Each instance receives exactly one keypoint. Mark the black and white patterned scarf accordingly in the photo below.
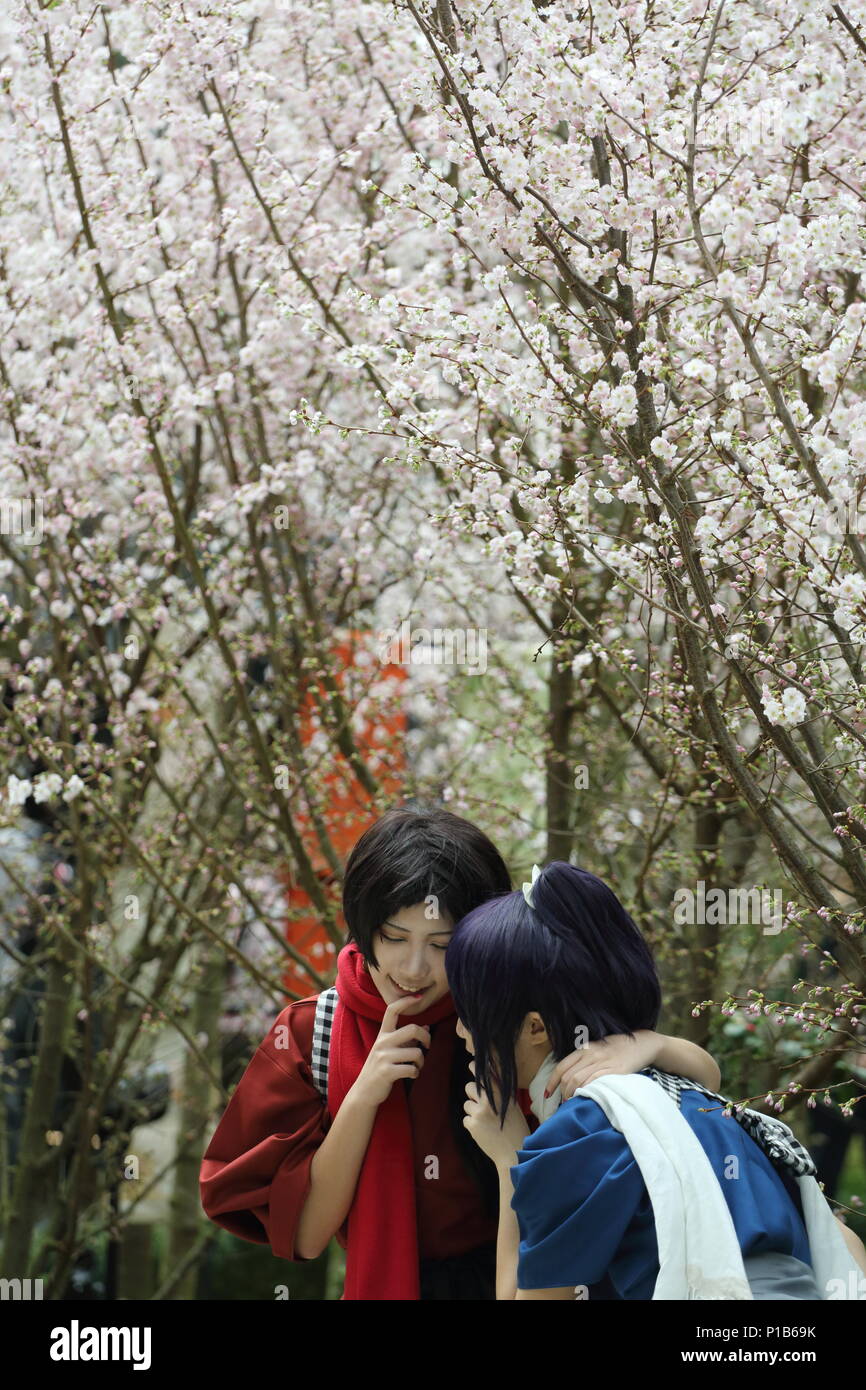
(774, 1137)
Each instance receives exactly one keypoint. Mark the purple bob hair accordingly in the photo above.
(576, 957)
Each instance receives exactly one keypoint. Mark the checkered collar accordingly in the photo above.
(774, 1137)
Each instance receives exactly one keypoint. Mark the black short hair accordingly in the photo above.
(413, 852)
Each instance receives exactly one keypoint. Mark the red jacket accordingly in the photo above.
(255, 1174)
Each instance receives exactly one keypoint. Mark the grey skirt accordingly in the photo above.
(774, 1276)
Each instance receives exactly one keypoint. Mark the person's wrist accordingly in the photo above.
(504, 1164)
(359, 1099)
(507, 1155)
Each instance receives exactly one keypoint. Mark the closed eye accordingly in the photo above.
(397, 940)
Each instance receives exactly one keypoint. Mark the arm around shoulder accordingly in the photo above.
(684, 1058)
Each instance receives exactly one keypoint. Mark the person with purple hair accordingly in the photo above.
(637, 1187)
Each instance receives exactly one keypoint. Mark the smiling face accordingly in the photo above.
(410, 948)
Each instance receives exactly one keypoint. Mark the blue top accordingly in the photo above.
(584, 1212)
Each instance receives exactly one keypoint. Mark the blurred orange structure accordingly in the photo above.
(380, 738)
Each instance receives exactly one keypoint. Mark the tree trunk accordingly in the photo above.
(186, 1218)
(30, 1170)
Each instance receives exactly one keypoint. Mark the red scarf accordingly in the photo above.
(382, 1246)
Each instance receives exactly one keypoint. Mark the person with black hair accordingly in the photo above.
(348, 1120)
(638, 1186)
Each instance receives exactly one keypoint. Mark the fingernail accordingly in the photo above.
(546, 1094)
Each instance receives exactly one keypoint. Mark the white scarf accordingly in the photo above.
(699, 1253)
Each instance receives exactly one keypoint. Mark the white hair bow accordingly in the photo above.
(528, 887)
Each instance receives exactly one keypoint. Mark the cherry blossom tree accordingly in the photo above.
(655, 331)
(169, 609)
(524, 323)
